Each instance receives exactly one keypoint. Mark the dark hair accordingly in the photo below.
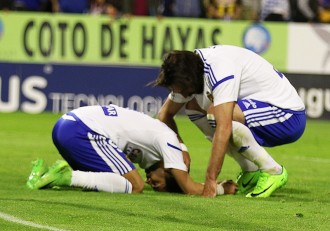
(171, 184)
(153, 167)
(181, 68)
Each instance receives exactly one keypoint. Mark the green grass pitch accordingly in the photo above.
(304, 204)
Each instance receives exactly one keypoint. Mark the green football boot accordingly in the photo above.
(267, 184)
(59, 174)
(247, 181)
(39, 168)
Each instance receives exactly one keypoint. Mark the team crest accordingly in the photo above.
(210, 96)
(133, 153)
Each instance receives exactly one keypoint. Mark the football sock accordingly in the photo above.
(245, 143)
(244, 163)
(200, 120)
(101, 181)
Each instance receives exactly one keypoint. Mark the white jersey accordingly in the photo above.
(143, 139)
(233, 73)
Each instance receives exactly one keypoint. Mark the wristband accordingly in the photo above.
(220, 189)
(183, 147)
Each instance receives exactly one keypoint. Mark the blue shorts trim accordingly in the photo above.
(87, 150)
(270, 125)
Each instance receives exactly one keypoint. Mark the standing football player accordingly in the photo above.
(254, 105)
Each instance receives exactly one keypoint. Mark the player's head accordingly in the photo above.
(156, 177)
(182, 72)
(161, 180)
(171, 184)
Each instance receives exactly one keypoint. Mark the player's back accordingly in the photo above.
(256, 77)
(122, 125)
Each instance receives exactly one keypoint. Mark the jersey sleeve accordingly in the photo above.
(170, 149)
(223, 78)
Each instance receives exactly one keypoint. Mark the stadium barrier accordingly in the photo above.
(65, 61)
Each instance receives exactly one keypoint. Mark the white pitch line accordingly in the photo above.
(312, 159)
(10, 218)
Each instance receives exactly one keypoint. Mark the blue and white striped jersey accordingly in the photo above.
(143, 139)
(233, 73)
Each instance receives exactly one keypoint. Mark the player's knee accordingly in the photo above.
(238, 132)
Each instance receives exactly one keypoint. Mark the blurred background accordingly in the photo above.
(57, 55)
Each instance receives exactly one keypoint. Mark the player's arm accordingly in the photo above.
(223, 114)
(166, 115)
(167, 112)
(136, 180)
(186, 183)
(190, 187)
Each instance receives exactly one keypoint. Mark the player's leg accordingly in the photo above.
(245, 144)
(205, 120)
(103, 181)
(199, 117)
(272, 175)
(61, 174)
(249, 175)
(114, 160)
(97, 163)
(270, 126)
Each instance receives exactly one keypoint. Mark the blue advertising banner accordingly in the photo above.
(58, 88)
(34, 88)
(315, 92)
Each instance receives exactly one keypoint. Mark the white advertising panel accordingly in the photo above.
(309, 48)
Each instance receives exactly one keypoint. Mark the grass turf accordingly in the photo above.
(304, 204)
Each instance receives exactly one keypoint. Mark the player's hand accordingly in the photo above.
(229, 187)
(210, 188)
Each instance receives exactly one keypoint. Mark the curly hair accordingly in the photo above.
(183, 69)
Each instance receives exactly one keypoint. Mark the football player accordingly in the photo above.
(100, 145)
(254, 105)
